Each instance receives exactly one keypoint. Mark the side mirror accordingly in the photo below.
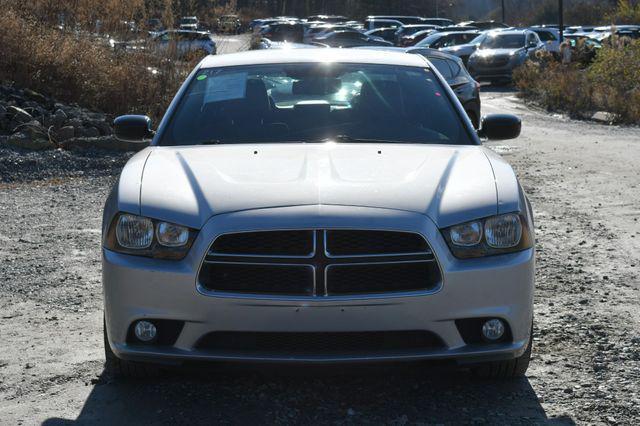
(133, 128)
(499, 127)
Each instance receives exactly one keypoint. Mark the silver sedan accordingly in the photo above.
(317, 206)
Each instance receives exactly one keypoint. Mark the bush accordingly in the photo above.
(81, 68)
(611, 83)
(615, 74)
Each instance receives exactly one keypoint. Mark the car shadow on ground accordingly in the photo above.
(380, 394)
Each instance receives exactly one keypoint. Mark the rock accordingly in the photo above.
(18, 115)
(75, 122)
(101, 142)
(64, 133)
(88, 132)
(58, 118)
(103, 127)
(22, 140)
(603, 117)
(35, 96)
(34, 130)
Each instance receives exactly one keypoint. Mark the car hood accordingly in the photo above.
(188, 185)
(460, 48)
(494, 52)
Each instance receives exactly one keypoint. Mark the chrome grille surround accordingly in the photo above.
(421, 274)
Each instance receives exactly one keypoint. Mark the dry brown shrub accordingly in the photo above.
(74, 66)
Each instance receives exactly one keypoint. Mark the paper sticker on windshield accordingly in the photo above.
(224, 87)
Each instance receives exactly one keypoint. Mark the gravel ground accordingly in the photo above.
(583, 182)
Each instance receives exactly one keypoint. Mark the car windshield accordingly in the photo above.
(503, 41)
(478, 39)
(430, 40)
(315, 102)
(187, 21)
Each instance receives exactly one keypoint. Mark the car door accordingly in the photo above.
(532, 43)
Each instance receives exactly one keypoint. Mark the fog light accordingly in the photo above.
(493, 329)
(145, 331)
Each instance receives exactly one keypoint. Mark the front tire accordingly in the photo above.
(508, 369)
(121, 368)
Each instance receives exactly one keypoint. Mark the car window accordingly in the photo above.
(449, 40)
(466, 38)
(503, 41)
(455, 68)
(429, 40)
(546, 36)
(309, 102)
(441, 65)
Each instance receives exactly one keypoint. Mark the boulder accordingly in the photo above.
(103, 127)
(75, 122)
(23, 140)
(58, 118)
(103, 142)
(34, 130)
(18, 115)
(64, 133)
(88, 132)
(35, 96)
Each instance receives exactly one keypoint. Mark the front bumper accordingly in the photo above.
(137, 288)
(484, 72)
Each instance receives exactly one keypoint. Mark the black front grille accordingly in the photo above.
(269, 279)
(271, 243)
(379, 277)
(499, 61)
(360, 243)
(319, 263)
(369, 342)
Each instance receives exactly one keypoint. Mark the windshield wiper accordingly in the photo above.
(350, 139)
(211, 142)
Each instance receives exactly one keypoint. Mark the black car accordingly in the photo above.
(349, 39)
(466, 89)
(483, 25)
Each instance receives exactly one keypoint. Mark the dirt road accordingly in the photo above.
(583, 182)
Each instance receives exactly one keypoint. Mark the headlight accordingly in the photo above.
(467, 234)
(500, 234)
(142, 236)
(171, 235)
(503, 231)
(134, 232)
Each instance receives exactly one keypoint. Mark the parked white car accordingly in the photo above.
(183, 42)
(319, 205)
(550, 37)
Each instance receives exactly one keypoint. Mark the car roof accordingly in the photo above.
(364, 56)
(456, 32)
(513, 31)
(428, 51)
